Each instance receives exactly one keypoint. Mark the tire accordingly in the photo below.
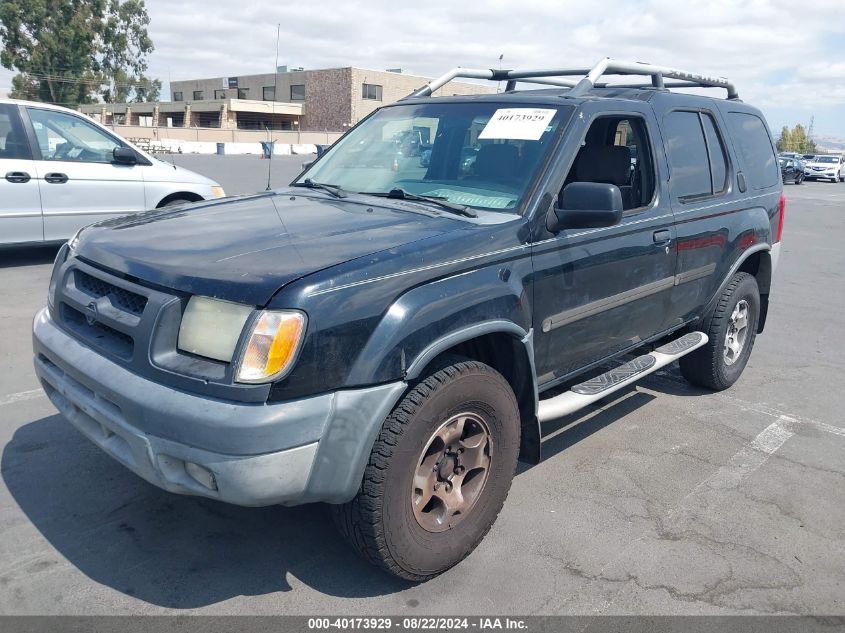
(175, 202)
(710, 365)
(382, 522)
(799, 179)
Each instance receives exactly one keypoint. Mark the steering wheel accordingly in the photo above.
(62, 151)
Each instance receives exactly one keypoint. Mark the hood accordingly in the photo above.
(245, 249)
(167, 172)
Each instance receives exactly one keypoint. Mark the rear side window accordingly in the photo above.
(756, 149)
(687, 151)
(13, 141)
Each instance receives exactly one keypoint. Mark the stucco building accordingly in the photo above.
(330, 99)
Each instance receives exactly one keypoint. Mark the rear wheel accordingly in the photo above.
(733, 328)
(438, 473)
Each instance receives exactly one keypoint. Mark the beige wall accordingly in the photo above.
(222, 136)
(395, 86)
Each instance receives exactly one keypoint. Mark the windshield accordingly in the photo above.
(482, 155)
(826, 159)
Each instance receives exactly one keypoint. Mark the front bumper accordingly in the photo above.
(317, 447)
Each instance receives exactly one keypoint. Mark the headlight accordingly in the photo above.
(67, 251)
(211, 327)
(61, 258)
(218, 192)
(272, 346)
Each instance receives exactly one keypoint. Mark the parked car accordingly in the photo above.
(828, 167)
(59, 171)
(791, 169)
(391, 341)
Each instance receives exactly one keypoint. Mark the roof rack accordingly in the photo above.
(589, 78)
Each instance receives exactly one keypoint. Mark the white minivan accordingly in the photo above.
(60, 171)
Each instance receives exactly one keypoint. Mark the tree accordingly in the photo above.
(71, 51)
(784, 143)
(147, 89)
(125, 43)
(795, 140)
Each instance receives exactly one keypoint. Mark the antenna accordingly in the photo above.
(499, 83)
(273, 107)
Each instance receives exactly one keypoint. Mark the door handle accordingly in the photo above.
(17, 176)
(56, 178)
(661, 237)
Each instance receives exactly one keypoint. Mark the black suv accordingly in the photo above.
(384, 335)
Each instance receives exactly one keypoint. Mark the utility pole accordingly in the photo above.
(810, 134)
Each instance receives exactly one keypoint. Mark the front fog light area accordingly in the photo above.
(211, 327)
(201, 475)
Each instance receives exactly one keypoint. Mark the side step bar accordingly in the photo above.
(590, 391)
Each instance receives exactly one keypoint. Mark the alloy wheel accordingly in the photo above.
(737, 332)
(451, 472)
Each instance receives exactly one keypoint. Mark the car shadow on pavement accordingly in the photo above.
(34, 255)
(170, 550)
(185, 552)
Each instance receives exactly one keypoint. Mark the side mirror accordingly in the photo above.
(124, 156)
(586, 205)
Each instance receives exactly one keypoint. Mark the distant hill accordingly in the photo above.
(829, 143)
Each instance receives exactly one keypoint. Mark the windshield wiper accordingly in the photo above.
(336, 191)
(398, 193)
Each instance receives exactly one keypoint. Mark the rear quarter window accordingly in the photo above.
(755, 146)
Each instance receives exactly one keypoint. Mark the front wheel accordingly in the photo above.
(438, 473)
(733, 328)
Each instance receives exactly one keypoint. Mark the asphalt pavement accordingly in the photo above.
(666, 499)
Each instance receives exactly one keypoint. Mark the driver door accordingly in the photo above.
(79, 182)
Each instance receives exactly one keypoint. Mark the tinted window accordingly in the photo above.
(297, 92)
(756, 149)
(688, 163)
(199, 95)
(13, 143)
(718, 162)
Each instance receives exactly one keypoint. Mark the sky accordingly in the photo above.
(785, 57)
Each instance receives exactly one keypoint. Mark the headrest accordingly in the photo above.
(604, 163)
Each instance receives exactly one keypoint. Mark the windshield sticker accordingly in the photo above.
(523, 124)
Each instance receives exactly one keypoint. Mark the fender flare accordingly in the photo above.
(711, 303)
(462, 335)
(530, 424)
